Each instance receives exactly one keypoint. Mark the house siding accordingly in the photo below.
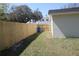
(65, 25)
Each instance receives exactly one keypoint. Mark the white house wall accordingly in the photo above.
(66, 25)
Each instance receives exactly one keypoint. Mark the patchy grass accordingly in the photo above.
(44, 45)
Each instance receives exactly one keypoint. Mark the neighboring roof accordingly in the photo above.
(75, 9)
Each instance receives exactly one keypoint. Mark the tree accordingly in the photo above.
(71, 5)
(24, 14)
(3, 11)
(21, 14)
(37, 15)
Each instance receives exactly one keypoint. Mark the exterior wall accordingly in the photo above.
(66, 25)
(13, 32)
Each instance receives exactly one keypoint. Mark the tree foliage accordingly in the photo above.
(21, 14)
(71, 5)
(24, 14)
(37, 15)
(3, 11)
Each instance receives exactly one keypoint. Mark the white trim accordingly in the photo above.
(76, 12)
(51, 19)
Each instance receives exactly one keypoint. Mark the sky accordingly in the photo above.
(43, 7)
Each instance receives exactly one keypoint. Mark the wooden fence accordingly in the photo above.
(45, 27)
(13, 32)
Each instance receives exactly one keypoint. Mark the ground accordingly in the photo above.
(45, 45)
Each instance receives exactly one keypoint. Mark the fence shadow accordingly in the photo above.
(19, 47)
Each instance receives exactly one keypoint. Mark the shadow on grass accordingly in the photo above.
(19, 47)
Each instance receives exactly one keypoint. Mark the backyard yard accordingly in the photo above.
(25, 31)
(45, 45)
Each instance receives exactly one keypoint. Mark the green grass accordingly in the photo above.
(44, 45)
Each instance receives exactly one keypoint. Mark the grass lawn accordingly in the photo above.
(45, 45)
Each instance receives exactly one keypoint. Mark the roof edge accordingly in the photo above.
(75, 9)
